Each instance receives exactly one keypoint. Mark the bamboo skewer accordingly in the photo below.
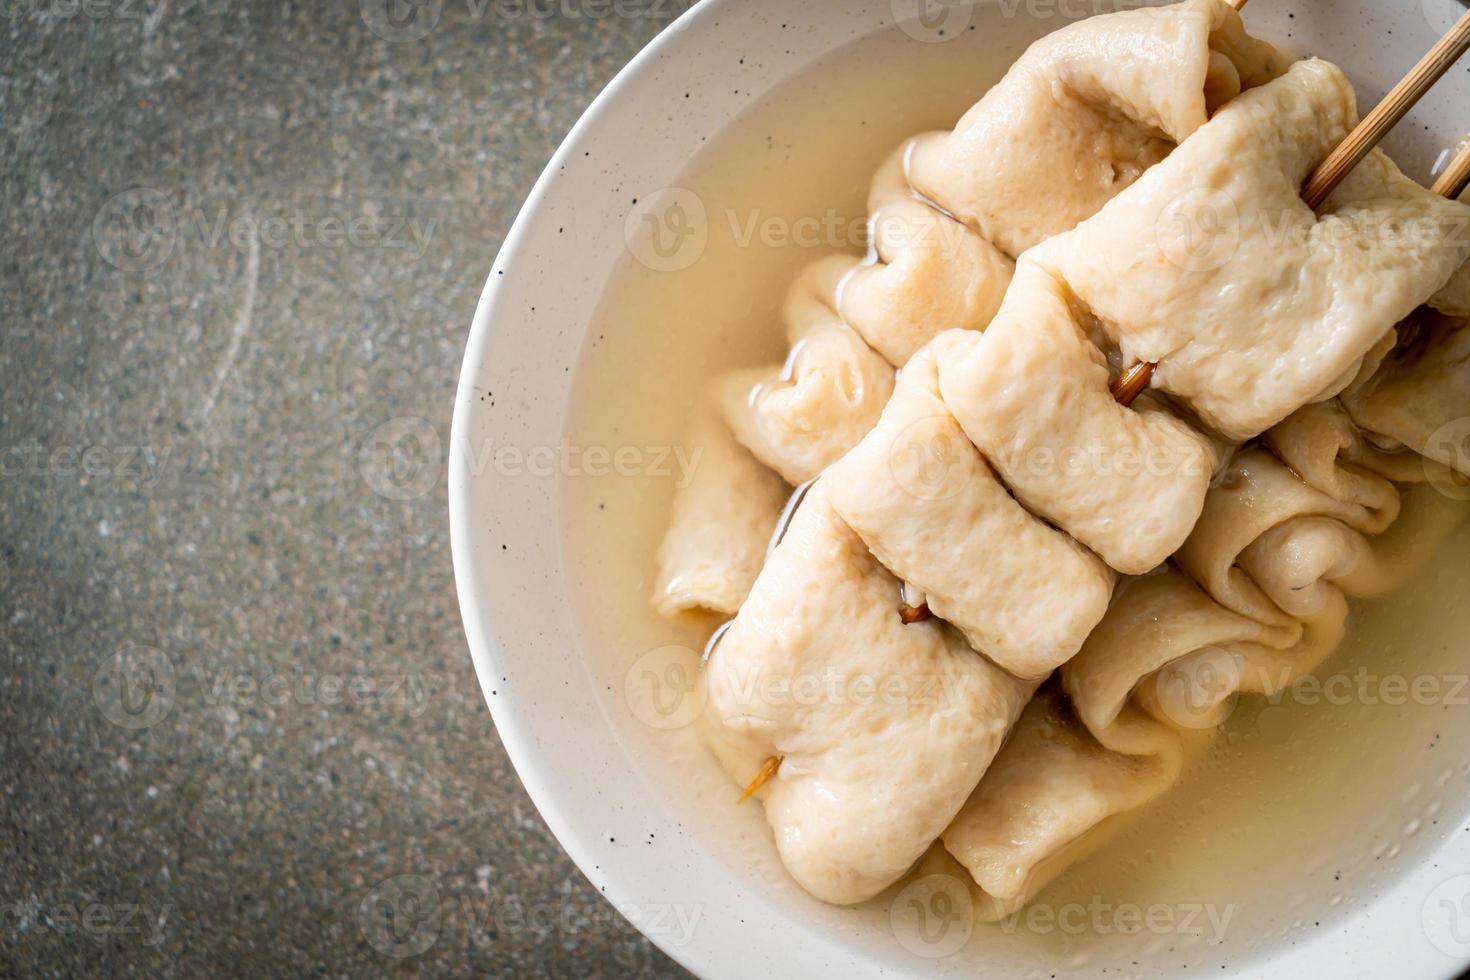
(1386, 114)
(908, 614)
(767, 770)
(912, 606)
(1350, 152)
(1456, 176)
(1131, 382)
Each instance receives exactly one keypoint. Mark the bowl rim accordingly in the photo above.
(1362, 940)
(480, 632)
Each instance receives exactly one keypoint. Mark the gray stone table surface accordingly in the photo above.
(236, 240)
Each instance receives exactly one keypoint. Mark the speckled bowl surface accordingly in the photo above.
(602, 792)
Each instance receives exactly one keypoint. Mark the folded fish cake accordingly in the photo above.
(1420, 397)
(1328, 453)
(883, 728)
(1213, 267)
(1037, 809)
(1032, 394)
(1256, 493)
(918, 492)
(720, 525)
(931, 273)
(1154, 680)
(799, 418)
(1085, 111)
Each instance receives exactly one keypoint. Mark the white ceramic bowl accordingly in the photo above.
(618, 803)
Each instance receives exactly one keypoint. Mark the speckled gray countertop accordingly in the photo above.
(236, 705)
